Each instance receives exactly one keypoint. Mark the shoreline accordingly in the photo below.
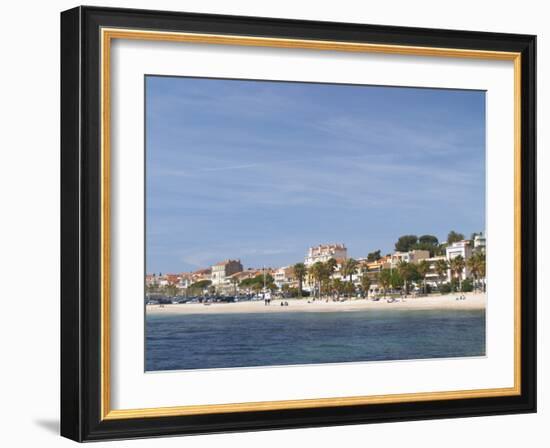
(473, 301)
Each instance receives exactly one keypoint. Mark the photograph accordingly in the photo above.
(302, 223)
(284, 221)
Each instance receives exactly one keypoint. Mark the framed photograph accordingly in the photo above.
(272, 223)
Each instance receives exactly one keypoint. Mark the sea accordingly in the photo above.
(212, 341)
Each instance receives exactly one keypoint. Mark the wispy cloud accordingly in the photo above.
(233, 167)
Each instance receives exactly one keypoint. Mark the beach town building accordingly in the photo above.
(480, 242)
(222, 270)
(324, 252)
(359, 271)
(373, 268)
(184, 280)
(162, 281)
(284, 276)
(462, 248)
(432, 276)
(413, 256)
(171, 279)
(200, 275)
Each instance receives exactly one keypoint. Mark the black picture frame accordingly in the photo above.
(81, 224)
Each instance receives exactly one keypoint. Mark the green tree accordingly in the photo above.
(300, 272)
(326, 283)
(318, 272)
(365, 284)
(407, 272)
(429, 243)
(374, 256)
(423, 267)
(439, 250)
(385, 279)
(330, 266)
(476, 265)
(349, 288)
(200, 284)
(454, 237)
(482, 268)
(257, 283)
(457, 265)
(441, 268)
(170, 290)
(235, 282)
(467, 285)
(338, 287)
(429, 240)
(349, 267)
(405, 243)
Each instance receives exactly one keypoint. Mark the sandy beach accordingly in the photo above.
(473, 301)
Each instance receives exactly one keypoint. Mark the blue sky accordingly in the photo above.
(262, 170)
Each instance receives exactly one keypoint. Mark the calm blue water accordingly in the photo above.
(245, 340)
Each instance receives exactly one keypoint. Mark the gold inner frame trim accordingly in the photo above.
(107, 35)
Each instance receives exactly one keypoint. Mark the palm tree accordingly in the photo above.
(170, 290)
(300, 272)
(349, 267)
(405, 270)
(365, 284)
(338, 287)
(423, 268)
(317, 271)
(476, 265)
(235, 283)
(151, 288)
(385, 279)
(457, 266)
(441, 267)
(330, 267)
(482, 268)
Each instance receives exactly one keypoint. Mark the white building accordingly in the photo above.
(184, 280)
(432, 277)
(284, 276)
(325, 252)
(480, 242)
(462, 248)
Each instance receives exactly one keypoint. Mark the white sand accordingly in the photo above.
(473, 301)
